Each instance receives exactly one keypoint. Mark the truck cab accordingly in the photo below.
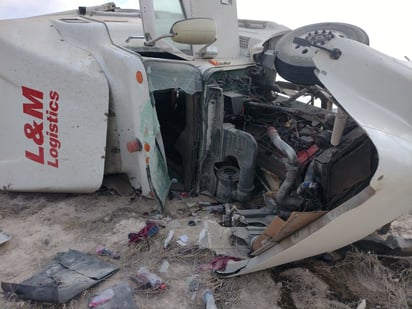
(116, 94)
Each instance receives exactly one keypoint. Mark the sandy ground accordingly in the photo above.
(42, 225)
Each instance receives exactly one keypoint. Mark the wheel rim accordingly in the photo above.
(294, 62)
(317, 37)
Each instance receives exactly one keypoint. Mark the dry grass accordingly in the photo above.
(366, 277)
(307, 290)
(382, 282)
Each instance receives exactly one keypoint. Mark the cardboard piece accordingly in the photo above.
(271, 231)
(278, 229)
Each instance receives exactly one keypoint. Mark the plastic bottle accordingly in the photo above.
(149, 279)
(168, 238)
(209, 300)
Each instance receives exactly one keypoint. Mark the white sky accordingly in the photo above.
(387, 22)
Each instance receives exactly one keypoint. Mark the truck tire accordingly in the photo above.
(294, 63)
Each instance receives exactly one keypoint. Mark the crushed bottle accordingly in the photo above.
(146, 279)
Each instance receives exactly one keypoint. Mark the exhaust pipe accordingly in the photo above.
(338, 127)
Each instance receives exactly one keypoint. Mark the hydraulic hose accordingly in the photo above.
(282, 145)
(291, 167)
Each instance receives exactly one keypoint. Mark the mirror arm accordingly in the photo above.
(152, 42)
(203, 49)
(134, 37)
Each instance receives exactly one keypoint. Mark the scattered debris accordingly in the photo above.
(215, 209)
(102, 250)
(349, 280)
(168, 239)
(146, 279)
(209, 299)
(191, 204)
(219, 262)
(271, 231)
(120, 297)
(217, 238)
(164, 267)
(189, 250)
(4, 237)
(148, 231)
(232, 267)
(66, 276)
(279, 229)
(183, 239)
(184, 194)
(101, 298)
(362, 304)
(193, 284)
(388, 243)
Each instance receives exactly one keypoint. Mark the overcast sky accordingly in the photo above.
(387, 22)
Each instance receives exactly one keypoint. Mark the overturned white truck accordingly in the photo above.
(184, 90)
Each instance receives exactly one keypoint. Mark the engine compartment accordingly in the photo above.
(295, 163)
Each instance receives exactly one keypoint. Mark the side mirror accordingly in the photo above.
(190, 31)
(194, 31)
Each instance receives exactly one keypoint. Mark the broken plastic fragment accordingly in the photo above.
(164, 267)
(103, 297)
(183, 239)
(362, 304)
(4, 237)
(101, 250)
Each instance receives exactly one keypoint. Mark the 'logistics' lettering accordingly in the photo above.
(43, 125)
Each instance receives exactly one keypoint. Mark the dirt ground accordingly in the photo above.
(42, 225)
